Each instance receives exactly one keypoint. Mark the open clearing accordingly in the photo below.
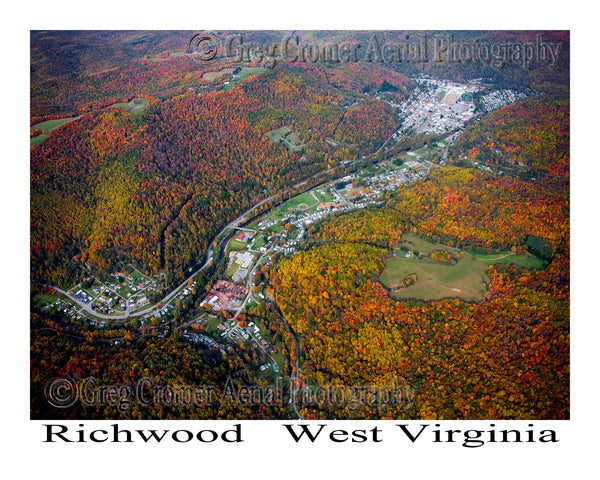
(50, 125)
(210, 76)
(38, 139)
(135, 106)
(415, 243)
(286, 137)
(466, 279)
(528, 261)
(246, 72)
(300, 203)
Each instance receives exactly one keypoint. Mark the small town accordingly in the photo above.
(499, 98)
(264, 247)
(439, 107)
(279, 232)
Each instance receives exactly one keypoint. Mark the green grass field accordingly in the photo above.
(138, 276)
(50, 125)
(38, 139)
(211, 323)
(134, 107)
(276, 214)
(427, 153)
(417, 244)
(300, 202)
(121, 105)
(296, 204)
(234, 245)
(42, 300)
(291, 140)
(528, 261)
(246, 72)
(124, 290)
(137, 105)
(258, 242)
(275, 135)
(466, 279)
(234, 267)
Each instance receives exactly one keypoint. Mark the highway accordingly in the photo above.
(171, 295)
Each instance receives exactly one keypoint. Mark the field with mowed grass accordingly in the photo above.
(38, 139)
(210, 76)
(246, 72)
(135, 106)
(50, 125)
(287, 137)
(301, 203)
(467, 279)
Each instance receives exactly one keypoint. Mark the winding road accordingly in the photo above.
(234, 224)
(169, 297)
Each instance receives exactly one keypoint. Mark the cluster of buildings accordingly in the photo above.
(237, 332)
(306, 219)
(244, 260)
(337, 196)
(163, 311)
(124, 293)
(499, 98)
(203, 340)
(72, 312)
(288, 247)
(248, 333)
(389, 180)
(329, 205)
(266, 223)
(225, 295)
(439, 107)
(245, 236)
(83, 297)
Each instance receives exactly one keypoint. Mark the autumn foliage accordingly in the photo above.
(534, 133)
(506, 357)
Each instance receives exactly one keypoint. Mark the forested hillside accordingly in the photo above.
(433, 259)
(534, 133)
(505, 357)
(155, 188)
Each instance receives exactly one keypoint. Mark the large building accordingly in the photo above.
(223, 295)
(244, 259)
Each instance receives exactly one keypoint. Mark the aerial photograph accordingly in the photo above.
(299, 225)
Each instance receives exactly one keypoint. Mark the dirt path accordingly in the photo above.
(494, 259)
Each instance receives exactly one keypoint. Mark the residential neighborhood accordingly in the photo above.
(499, 98)
(439, 107)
